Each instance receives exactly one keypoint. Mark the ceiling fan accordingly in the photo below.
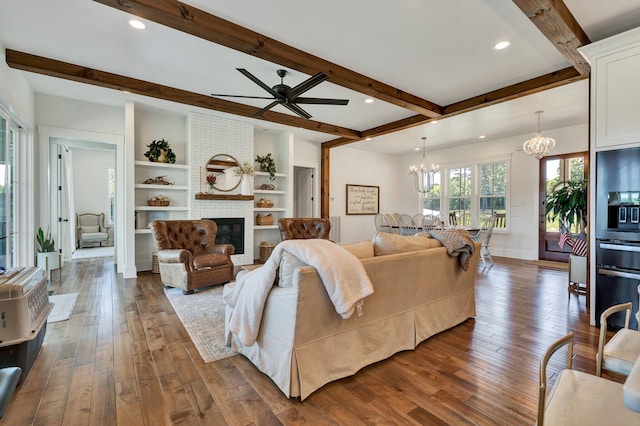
(289, 97)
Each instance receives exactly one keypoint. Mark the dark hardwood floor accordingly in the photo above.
(124, 358)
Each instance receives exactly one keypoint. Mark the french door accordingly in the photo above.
(556, 170)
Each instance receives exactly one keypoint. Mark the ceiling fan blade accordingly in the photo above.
(321, 101)
(296, 109)
(268, 107)
(306, 85)
(259, 83)
(241, 96)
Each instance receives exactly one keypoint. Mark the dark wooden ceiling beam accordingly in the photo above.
(188, 19)
(518, 90)
(65, 70)
(555, 21)
(515, 91)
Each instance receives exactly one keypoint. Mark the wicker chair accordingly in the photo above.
(188, 256)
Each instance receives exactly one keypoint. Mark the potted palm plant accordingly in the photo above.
(568, 203)
(47, 257)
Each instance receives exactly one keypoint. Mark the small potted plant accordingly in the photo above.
(160, 151)
(47, 257)
(267, 164)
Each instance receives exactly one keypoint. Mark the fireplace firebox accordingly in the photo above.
(230, 231)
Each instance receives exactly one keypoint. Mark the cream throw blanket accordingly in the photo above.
(342, 274)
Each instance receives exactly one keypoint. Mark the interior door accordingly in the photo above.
(554, 171)
(303, 192)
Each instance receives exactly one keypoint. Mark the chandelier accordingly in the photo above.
(538, 146)
(424, 176)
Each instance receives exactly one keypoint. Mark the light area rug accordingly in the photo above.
(63, 305)
(92, 252)
(202, 314)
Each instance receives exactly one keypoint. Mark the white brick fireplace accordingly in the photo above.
(209, 136)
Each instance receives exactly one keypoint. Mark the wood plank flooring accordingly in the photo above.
(124, 358)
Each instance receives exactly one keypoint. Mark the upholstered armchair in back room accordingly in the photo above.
(188, 256)
(91, 229)
(303, 228)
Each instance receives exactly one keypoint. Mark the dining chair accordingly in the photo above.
(430, 222)
(453, 219)
(579, 398)
(417, 219)
(393, 224)
(484, 237)
(620, 353)
(405, 222)
(382, 224)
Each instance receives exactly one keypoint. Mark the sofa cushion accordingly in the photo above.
(288, 265)
(386, 243)
(90, 229)
(209, 261)
(361, 249)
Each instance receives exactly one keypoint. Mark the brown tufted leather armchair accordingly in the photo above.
(303, 228)
(188, 255)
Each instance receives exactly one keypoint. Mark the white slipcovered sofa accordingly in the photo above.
(419, 290)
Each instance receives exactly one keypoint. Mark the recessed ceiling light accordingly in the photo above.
(368, 101)
(501, 45)
(481, 137)
(434, 122)
(416, 149)
(138, 25)
(367, 139)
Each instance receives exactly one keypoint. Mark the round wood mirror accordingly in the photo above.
(224, 168)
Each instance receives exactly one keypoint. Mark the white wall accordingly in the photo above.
(68, 114)
(16, 95)
(397, 194)
(355, 166)
(90, 180)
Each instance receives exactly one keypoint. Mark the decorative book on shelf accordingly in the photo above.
(237, 197)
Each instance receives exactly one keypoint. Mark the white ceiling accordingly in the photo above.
(440, 51)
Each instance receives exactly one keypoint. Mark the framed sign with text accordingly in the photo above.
(363, 199)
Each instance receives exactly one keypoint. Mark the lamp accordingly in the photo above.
(423, 177)
(538, 146)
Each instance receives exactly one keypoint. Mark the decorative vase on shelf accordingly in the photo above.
(162, 158)
(245, 186)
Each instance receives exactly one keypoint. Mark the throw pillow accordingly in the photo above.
(386, 243)
(361, 249)
(288, 265)
(90, 229)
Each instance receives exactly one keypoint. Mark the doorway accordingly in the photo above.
(85, 183)
(304, 190)
(555, 171)
(49, 138)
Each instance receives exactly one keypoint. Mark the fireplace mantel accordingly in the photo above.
(206, 196)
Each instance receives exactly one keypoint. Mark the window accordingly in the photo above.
(111, 194)
(460, 196)
(558, 170)
(431, 202)
(471, 194)
(493, 191)
(8, 204)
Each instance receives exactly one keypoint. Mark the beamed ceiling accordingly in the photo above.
(552, 18)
